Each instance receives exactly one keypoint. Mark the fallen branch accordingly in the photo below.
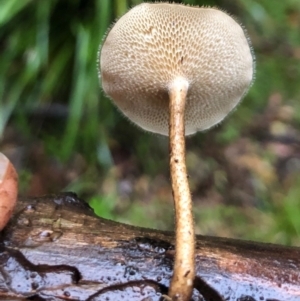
(55, 248)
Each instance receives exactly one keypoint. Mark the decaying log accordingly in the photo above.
(55, 248)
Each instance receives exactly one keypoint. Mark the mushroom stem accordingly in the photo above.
(184, 267)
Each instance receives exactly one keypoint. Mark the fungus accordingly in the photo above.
(8, 190)
(175, 70)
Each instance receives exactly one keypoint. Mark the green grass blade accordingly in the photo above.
(79, 89)
(9, 8)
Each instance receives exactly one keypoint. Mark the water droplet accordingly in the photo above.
(145, 246)
(67, 294)
(34, 285)
(136, 289)
(23, 221)
(42, 236)
(58, 201)
(159, 250)
(45, 233)
(56, 235)
(33, 275)
(30, 209)
(130, 270)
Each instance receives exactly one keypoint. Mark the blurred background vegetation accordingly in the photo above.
(63, 134)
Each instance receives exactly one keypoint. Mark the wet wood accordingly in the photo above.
(55, 248)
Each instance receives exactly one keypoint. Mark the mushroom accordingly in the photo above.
(8, 190)
(175, 70)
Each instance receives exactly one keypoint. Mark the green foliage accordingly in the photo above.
(285, 213)
(104, 206)
(52, 58)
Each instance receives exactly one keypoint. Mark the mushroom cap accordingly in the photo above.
(153, 44)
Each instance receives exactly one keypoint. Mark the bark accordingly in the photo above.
(55, 248)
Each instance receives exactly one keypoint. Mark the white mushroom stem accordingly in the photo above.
(184, 266)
